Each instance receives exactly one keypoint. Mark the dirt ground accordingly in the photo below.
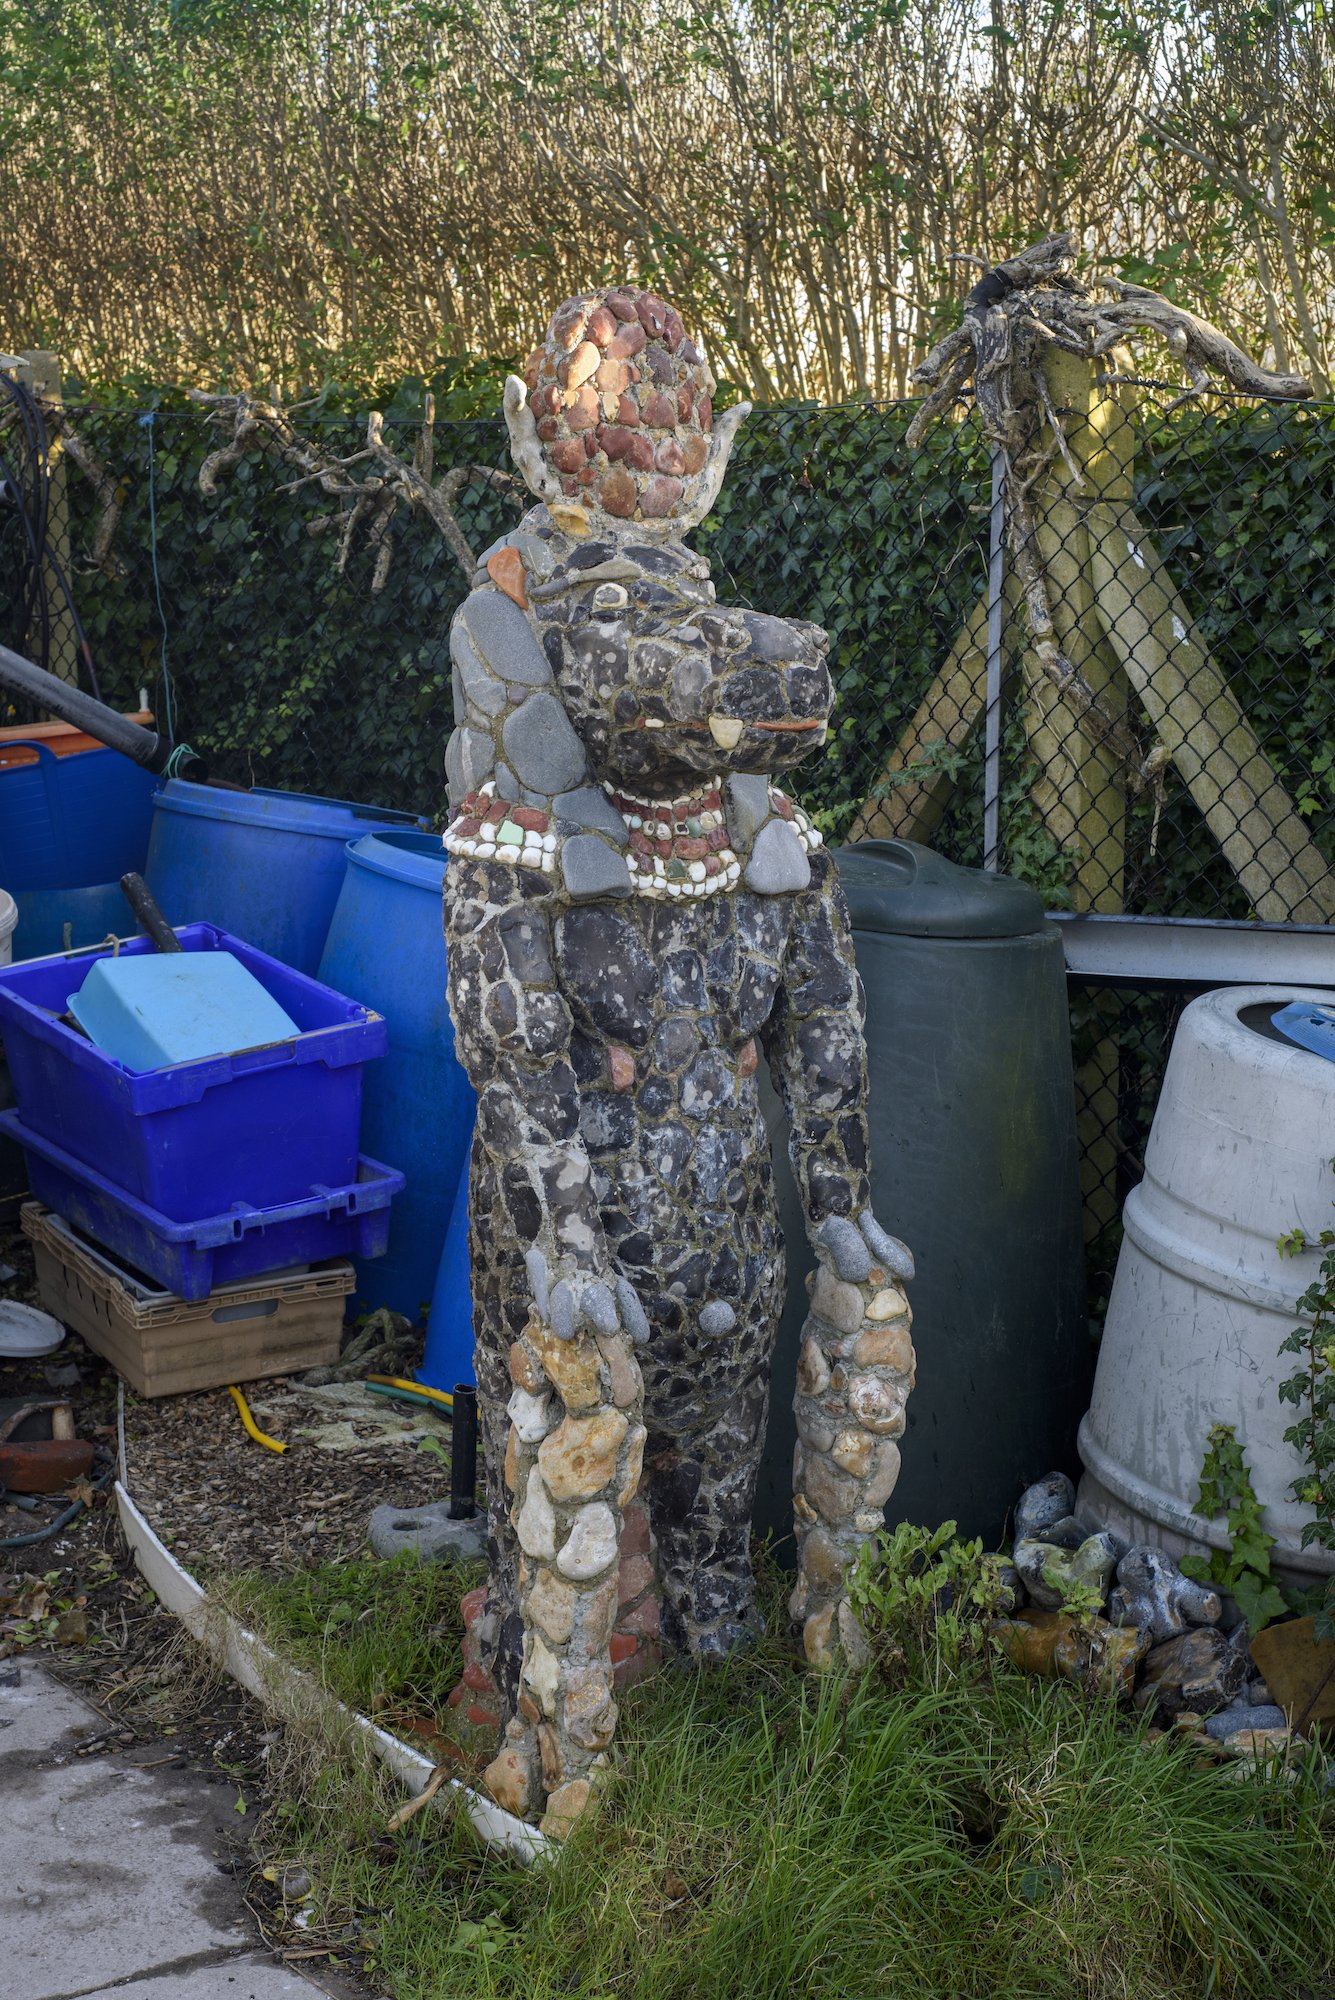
(221, 1502)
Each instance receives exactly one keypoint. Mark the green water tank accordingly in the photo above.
(974, 1165)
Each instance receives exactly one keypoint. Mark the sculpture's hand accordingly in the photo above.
(854, 1246)
(583, 1300)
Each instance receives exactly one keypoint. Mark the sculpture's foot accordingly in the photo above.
(727, 1637)
(514, 1776)
(833, 1637)
(574, 1801)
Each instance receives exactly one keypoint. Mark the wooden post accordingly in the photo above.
(1080, 790)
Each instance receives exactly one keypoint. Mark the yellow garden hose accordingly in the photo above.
(415, 1389)
(252, 1428)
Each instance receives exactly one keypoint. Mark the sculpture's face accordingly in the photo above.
(663, 687)
(623, 404)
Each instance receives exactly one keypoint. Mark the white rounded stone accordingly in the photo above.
(591, 1546)
(532, 1416)
(536, 1521)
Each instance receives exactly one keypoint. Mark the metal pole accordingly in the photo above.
(992, 714)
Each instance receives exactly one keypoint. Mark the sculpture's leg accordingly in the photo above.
(708, 1396)
(854, 1374)
(572, 1463)
(500, 1290)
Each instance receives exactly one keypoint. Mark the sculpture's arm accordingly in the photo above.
(513, 1031)
(817, 1056)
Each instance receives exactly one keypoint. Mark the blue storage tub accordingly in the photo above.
(449, 1357)
(386, 945)
(72, 821)
(191, 1258)
(260, 1127)
(267, 866)
(94, 911)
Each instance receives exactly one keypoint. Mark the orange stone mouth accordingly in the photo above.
(793, 728)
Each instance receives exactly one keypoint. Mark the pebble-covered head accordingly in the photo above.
(615, 414)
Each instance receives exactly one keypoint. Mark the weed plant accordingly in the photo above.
(965, 1833)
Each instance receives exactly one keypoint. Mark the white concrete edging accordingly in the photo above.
(258, 1669)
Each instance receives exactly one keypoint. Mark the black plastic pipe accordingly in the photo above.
(463, 1453)
(143, 746)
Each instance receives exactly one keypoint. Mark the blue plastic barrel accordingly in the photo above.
(70, 827)
(266, 866)
(386, 948)
(449, 1332)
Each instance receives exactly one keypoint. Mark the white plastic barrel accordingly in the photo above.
(9, 916)
(1240, 1154)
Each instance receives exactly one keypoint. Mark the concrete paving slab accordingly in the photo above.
(111, 1873)
(237, 1979)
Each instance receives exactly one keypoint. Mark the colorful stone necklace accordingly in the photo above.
(678, 847)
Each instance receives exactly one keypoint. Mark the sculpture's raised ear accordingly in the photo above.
(725, 431)
(525, 449)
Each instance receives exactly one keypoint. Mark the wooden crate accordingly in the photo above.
(270, 1325)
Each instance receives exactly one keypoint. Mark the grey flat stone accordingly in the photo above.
(477, 756)
(592, 868)
(746, 807)
(507, 784)
(590, 806)
(427, 1532)
(481, 687)
(541, 744)
(778, 863)
(504, 638)
(1043, 1507)
(1244, 1716)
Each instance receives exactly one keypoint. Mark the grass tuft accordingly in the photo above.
(770, 1834)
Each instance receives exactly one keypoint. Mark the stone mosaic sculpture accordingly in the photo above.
(636, 915)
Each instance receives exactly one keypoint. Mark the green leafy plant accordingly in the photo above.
(1311, 1391)
(1243, 1569)
(923, 1597)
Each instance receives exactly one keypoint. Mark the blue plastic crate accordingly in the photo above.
(191, 1258)
(261, 1127)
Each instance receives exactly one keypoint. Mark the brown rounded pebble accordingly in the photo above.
(584, 411)
(694, 453)
(685, 402)
(659, 498)
(628, 410)
(568, 455)
(602, 325)
(622, 303)
(581, 366)
(673, 330)
(610, 377)
(548, 429)
(617, 494)
(625, 345)
(660, 412)
(652, 313)
(704, 413)
(668, 457)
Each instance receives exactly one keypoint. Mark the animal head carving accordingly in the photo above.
(661, 684)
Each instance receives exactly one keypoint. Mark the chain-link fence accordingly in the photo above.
(1179, 762)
